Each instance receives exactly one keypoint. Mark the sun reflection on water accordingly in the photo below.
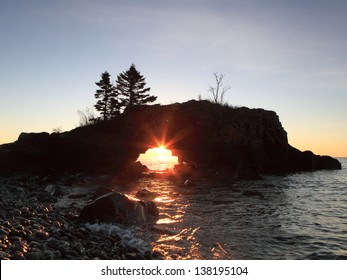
(164, 199)
(175, 235)
(170, 239)
(179, 246)
(168, 219)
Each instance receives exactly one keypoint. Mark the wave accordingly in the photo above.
(130, 237)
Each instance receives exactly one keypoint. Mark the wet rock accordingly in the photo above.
(25, 222)
(140, 257)
(57, 254)
(103, 255)
(146, 194)
(53, 243)
(4, 231)
(4, 256)
(78, 247)
(135, 169)
(7, 224)
(22, 234)
(33, 200)
(49, 256)
(51, 189)
(37, 226)
(43, 216)
(79, 235)
(100, 192)
(56, 224)
(16, 213)
(152, 211)
(33, 256)
(118, 208)
(130, 256)
(71, 216)
(20, 246)
(14, 238)
(43, 196)
(72, 254)
(19, 227)
(63, 249)
(18, 255)
(84, 231)
(28, 232)
(34, 244)
(40, 234)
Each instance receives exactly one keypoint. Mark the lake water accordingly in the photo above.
(298, 216)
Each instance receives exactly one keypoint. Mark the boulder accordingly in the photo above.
(118, 208)
(101, 191)
(146, 194)
(54, 190)
(43, 196)
(136, 169)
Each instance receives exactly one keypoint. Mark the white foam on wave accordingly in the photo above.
(129, 236)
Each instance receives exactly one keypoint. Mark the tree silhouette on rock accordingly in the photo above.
(108, 104)
(131, 86)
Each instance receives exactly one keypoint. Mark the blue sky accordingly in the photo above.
(286, 56)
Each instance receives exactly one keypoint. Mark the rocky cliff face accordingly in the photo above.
(200, 133)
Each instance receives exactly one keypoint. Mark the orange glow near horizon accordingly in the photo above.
(158, 159)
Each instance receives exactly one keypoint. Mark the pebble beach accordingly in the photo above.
(39, 220)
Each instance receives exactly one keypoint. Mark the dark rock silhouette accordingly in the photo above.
(100, 192)
(115, 207)
(246, 142)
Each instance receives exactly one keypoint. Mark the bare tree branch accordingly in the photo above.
(87, 116)
(218, 91)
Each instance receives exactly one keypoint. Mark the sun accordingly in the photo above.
(162, 151)
(158, 159)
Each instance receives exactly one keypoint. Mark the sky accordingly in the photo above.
(286, 56)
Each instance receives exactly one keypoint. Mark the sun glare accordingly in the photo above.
(158, 159)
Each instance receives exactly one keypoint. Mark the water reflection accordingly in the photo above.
(170, 219)
(170, 237)
(179, 246)
(218, 252)
(301, 216)
(177, 234)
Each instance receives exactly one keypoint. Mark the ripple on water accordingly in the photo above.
(299, 216)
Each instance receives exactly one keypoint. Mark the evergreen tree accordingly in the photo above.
(131, 86)
(108, 105)
(114, 106)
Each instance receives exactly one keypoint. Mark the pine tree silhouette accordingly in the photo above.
(108, 105)
(130, 85)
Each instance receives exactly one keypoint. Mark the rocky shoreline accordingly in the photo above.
(39, 221)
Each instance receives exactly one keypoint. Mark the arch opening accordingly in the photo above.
(158, 159)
